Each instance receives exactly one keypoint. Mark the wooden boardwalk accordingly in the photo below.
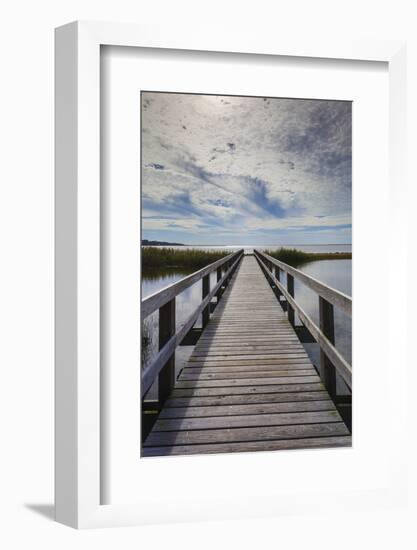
(248, 385)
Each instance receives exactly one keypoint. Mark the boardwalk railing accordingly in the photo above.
(330, 358)
(163, 365)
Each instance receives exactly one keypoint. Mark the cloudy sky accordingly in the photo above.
(238, 170)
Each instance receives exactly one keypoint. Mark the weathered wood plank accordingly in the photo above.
(166, 377)
(244, 350)
(245, 360)
(326, 315)
(226, 360)
(246, 409)
(248, 369)
(246, 420)
(260, 381)
(245, 390)
(249, 362)
(247, 399)
(242, 375)
(271, 445)
(234, 435)
(230, 342)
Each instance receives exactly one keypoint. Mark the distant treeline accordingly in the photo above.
(164, 258)
(145, 242)
(295, 257)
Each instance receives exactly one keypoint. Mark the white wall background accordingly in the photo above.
(26, 286)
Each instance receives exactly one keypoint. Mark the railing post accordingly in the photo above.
(278, 278)
(166, 378)
(219, 276)
(206, 290)
(228, 266)
(326, 314)
(290, 288)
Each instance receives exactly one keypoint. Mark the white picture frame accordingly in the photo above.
(78, 405)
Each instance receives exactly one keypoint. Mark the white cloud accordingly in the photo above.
(219, 165)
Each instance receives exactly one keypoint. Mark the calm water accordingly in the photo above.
(335, 273)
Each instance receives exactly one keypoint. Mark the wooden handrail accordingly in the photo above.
(335, 297)
(167, 350)
(332, 359)
(161, 297)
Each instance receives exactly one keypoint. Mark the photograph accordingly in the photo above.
(193, 201)
(246, 273)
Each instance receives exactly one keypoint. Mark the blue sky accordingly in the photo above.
(237, 170)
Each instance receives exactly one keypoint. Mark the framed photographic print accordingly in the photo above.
(246, 383)
(212, 235)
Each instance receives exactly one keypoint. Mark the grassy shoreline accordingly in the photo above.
(295, 257)
(171, 258)
(154, 259)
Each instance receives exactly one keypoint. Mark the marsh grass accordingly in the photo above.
(294, 257)
(182, 259)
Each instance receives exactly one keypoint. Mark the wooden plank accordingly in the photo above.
(261, 381)
(248, 399)
(242, 375)
(166, 377)
(246, 359)
(225, 338)
(234, 435)
(269, 329)
(247, 408)
(224, 358)
(247, 363)
(326, 316)
(246, 420)
(205, 292)
(239, 315)
(260, 348)
(283, 343)
(246, 350)
(245, 390)
(271, 445)
(290, 309)
(248, 368)
(248, 341)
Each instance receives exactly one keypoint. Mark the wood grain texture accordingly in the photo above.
(242, 447)
(248, 385)
(248, 409)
